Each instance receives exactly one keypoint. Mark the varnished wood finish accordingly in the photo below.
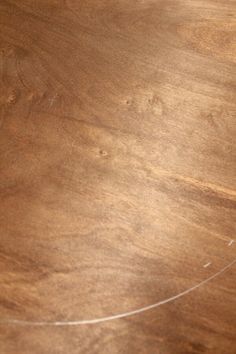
(117, 184)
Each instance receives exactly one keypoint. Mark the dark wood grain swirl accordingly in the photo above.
(117, 174)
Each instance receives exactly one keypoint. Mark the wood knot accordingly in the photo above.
(103, 153)
(156, 105)
(12, 98)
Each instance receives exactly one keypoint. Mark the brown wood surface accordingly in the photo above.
(117, 175)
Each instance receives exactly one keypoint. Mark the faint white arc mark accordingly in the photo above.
(207, 265)
(231, 242)
(118, 316)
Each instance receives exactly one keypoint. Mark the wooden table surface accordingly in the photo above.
(117, 176)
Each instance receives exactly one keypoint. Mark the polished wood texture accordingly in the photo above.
(118, 183)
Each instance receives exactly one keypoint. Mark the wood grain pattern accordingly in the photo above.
(118, 183)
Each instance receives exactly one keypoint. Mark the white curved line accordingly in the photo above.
(114, 317)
